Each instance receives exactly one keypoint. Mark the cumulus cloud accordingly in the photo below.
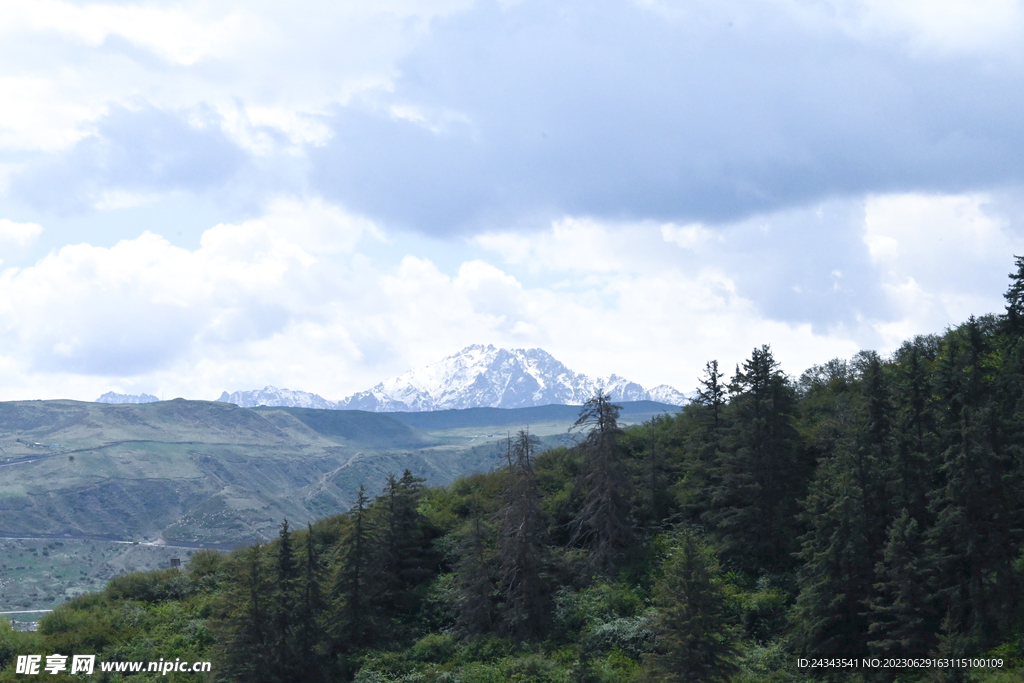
(20, 234)
(531, 111)
(452, 116)
(288, 299)
(941, 258)
(130, 154)
(143, 304)
(620, 182)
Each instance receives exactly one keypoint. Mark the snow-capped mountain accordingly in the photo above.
(485, 376)
(112, 397)
(272, 396)
(478, 376)
(663, 393)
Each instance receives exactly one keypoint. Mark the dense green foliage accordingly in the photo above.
(872, 507)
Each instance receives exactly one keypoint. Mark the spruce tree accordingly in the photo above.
(285, 659)
(693, 641)
(916, 441)
(476, 609)
(521, 545)
(407, 558)
(904, 621)
(603, 523)
(838, 567)
(977, 530)
(250, 627)
(310, 611)
(760, 474)
(705, 442)
(1015, 298)
(354, 582)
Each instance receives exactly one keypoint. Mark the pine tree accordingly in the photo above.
(285, 659)
(916, 442)
(310, 643)
(357, 623)
(655, 500)
(250, 625)
(521, 548)
(904, 622)
(837, 572)
(706, 440)
(693, 641)
(976, 534)
(476, 614)
(760, 474)
(603, 523)
(1015, 298)
(407, 559)
(712, 395)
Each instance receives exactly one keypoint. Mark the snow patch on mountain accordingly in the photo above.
(663, 393)
(478, 376)
(112, 397)
(272, 396)
(486, 376)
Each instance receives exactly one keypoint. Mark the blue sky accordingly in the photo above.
(212, 195)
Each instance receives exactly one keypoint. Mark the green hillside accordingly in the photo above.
(633, 412)
(200, 473)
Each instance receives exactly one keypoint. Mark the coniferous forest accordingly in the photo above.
(869, 508)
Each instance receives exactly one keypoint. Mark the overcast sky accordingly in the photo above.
(208, 196)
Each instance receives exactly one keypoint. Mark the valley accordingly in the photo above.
(90, 490)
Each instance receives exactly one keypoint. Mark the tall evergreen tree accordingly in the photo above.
(310, 611)
(976, 535)
(603, 524)
(706, 440)
(838, 568)
(522, 549)
(760, 474)
(693, 641)
(285, 658)
(250, 627)
(914, 415)
(407, 558)
(1015, 298)
(354, 583)
(904, 621)
(476, 613)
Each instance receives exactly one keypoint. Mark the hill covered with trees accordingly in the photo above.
(872, 507)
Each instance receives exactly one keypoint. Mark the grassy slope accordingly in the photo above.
(201, 472)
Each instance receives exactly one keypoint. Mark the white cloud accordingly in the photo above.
(577, 245)
(269, 71)
(941, 258)
(689, 236)
(21, 234)
(40, 113)
(181, 35)
(285, 299)
(943, 27)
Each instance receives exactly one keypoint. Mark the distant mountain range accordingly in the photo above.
(272, 396)
(111, 397)
(484, 376)
(478, 376)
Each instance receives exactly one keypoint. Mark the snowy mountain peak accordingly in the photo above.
(487, 376)
(272, 396)
(478, 376)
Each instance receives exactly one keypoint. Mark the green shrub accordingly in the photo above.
(155, 586)
(433, 647)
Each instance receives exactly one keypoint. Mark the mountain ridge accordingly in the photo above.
(113, 397)
(478, 376)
